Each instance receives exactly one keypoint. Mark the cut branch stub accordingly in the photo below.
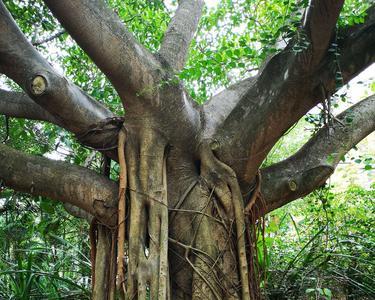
(60, 100)
(292, 185)
(38, 85)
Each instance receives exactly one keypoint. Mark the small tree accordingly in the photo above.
(191, 175)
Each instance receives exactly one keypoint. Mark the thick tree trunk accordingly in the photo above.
(201, 258)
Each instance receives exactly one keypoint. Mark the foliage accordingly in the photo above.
(43, 251)
(237, 36)
(322, 247)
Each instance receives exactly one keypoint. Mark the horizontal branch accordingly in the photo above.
(175, 45)
(67, 103)
(61, 181)
(263, 108)
(19, 105)
(312, 165)
(101, 34)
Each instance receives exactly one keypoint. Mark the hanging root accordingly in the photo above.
(112, 265)
(102, 260)
(224, 180)
(120, 283)
(248, 221)
(255, 194)
(163, 265)
(93, 234)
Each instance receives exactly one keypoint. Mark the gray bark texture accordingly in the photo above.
(190, 174)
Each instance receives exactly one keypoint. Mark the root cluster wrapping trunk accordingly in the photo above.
(223, 182)
(223, 179)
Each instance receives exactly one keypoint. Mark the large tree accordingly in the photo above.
(184, 218)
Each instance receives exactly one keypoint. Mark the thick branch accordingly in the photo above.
(175, 45)
(311, 166)
(61, 181)
(356, 50)
(74, 109)
(19, 105)
(101, 34)
(319, 23)
(264, 107)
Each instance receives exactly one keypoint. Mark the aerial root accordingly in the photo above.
(256, 194)
(120, 282)
(93, 235)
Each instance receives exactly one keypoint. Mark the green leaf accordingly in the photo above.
(309, 291)
(327, 292)
(47, 206)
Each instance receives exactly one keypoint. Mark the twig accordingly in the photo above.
(172, 240)
(200, 275)
(48, 39)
